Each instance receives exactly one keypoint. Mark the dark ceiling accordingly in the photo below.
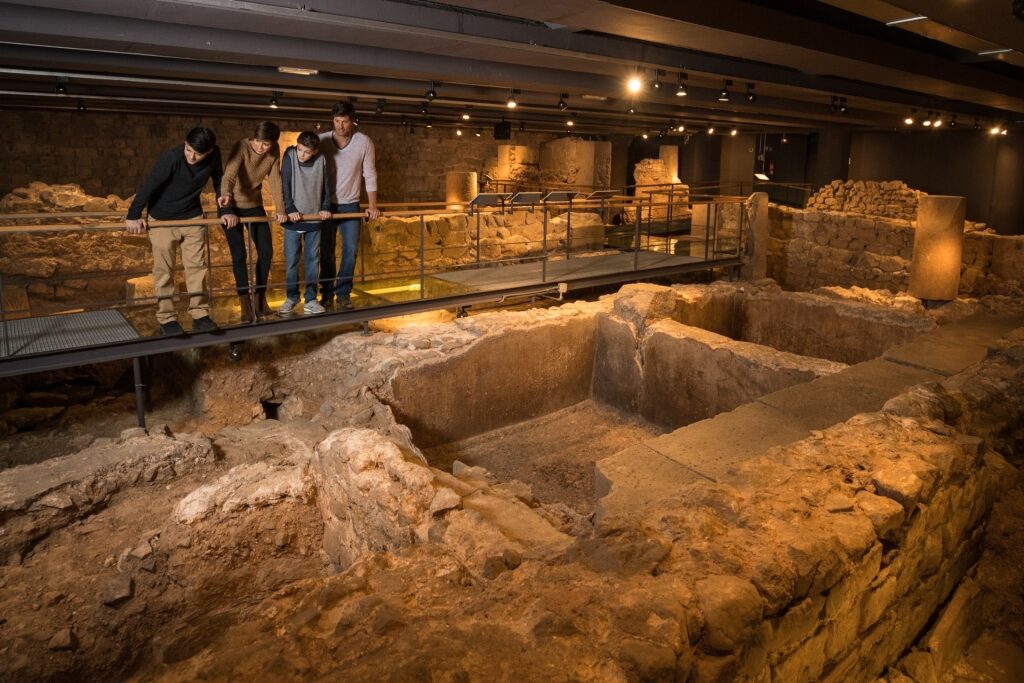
(803, 60)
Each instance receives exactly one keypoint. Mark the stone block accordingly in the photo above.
(732, 608)
(961, 622)
(938, 244)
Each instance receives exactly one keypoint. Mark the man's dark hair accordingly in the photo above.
(201, 140)
(308, 138)
(266, 131)
(343, 109)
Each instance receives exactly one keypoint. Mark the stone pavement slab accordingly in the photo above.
(632, 481)
(860, 388)
(953, 347)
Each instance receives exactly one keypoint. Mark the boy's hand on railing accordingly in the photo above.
(229, 220)
(324, 215)
(294, 217)
(282, 218)
(224, 201)
(136, 227)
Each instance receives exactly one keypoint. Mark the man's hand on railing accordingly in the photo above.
(372, 212)
(325, 215)
(224, 201)
(283, 218)
(136, 227)
(294, 217)
(229, 220)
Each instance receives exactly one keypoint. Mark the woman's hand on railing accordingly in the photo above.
(325, 215)
(294, 217)
(224, 201)
(229, 220)
(283, 218)
(136, 227)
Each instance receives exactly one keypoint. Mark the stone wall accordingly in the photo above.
(810, 248)
(110, 153)
(886, 198)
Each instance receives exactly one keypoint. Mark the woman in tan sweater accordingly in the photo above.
(252, 161)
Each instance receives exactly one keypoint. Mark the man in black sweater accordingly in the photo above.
(171, 193)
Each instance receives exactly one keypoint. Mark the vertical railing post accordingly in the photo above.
(478, 234)
(568, 231)
(3, 318)
(544, 243)
(250, 259)
(423, 239)
(209, 268)
(636, 236)
(140, 404)
(668, 218)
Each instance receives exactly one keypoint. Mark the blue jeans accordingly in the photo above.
(307, 243)
(349, 229)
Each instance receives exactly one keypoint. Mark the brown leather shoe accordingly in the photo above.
(246, 305)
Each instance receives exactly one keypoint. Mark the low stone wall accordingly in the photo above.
(886, 198)
(801, 323)
(810, 248)
(673, 374)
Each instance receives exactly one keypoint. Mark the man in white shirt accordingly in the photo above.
(350, 162)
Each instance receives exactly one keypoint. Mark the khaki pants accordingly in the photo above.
(165, 241)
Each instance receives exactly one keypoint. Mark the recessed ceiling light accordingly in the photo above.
(1000, 51)
(906, 20)
(297, 71)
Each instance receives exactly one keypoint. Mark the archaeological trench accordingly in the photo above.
(803, 478)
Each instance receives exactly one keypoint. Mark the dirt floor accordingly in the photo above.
(554, 453)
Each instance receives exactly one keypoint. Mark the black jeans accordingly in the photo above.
(259, 233)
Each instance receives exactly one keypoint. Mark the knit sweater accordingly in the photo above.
(305, 188)
(171, 188)
(244, 173)
(347, 165)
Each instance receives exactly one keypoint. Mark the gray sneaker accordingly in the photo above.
(288, 306)
(313, 307)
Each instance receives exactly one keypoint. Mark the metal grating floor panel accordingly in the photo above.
(27, 336)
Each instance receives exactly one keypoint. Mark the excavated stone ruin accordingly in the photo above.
(692, 483)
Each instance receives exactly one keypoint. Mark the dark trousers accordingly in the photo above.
(259, 234)
(349, 229)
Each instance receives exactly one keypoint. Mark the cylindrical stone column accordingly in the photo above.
(938, 246)
(459, 189)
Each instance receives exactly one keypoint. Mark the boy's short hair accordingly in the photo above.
(201, 140)
(266, 131)
(343, 109)
(308, 138)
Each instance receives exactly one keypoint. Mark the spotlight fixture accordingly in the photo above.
(952, 121)
(680, 128)
(570, 123)
(723, 94)
(423, 108)
(429, 124)
(562, 106)
(632, 108)
(997, 130)
(634, 84)
(458, 131)
(910, 117)
(927, 123)
(273, 100)
(478, 132)
(432, 93)
(405, 121)
(733, 132)
(522, 127)
(661, 134)
(833, 106)
(938, 122)
(511, 101)
(644, 136)
(785, 140)
(380, 107)
(977, 125)
(465, 116)
(842, 105)
(81, 106)
(656, 83)
(1003, 131)
(680, 86)
(711, 129)
(751, 97)
(62, 86)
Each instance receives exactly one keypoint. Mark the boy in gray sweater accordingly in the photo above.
(304, 183)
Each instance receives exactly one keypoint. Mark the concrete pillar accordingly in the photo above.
(459, 188)
(755, 266)
(938, 245)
